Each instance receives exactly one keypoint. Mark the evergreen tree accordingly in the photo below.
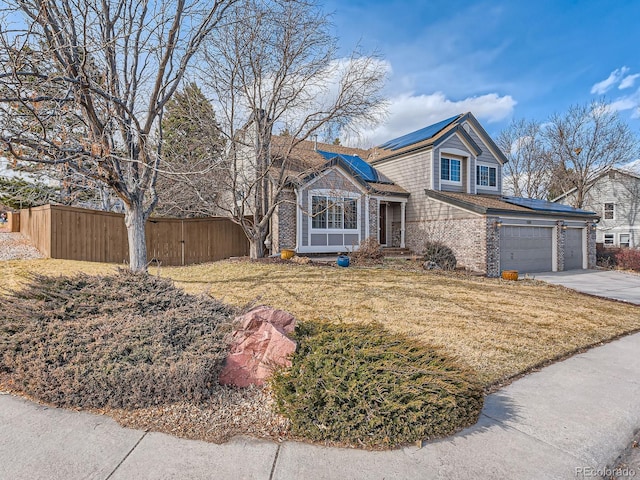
(193, 148)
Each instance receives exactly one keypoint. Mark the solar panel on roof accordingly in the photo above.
(358, 166)
(418, 135)
(543, 205)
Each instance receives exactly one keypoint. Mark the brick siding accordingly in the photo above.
(466, 237)
(284, 222)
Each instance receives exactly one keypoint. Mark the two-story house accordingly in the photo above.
(615, 196)
(442, 183)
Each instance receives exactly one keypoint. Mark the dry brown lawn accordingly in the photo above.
(499, 328)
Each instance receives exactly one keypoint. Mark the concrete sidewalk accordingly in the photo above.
(614, 284)
(568, 420)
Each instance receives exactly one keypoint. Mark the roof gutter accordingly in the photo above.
(503, 211)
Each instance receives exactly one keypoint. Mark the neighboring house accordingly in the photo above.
(442, 183)
(615, 196)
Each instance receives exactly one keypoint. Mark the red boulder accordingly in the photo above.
(259, 346)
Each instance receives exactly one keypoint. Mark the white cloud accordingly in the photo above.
(408, 112)
(628, 102)
(632, 166)
(616, 76)
(628, 81)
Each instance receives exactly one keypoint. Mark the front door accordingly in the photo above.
(383, 223)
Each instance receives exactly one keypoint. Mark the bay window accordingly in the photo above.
(334, 213)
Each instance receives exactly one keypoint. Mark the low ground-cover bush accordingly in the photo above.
(361, 385)
(125, 340)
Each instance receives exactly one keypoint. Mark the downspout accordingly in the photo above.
(298, 222)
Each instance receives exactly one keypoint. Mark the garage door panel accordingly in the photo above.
(573, 253)
(527, 249)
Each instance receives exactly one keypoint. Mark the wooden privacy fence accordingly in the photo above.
(79, 234)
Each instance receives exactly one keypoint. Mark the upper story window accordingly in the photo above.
(486, 176)
(334, 213)
(609, 211)
(450, 170)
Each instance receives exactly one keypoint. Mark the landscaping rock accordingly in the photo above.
(259, 346)
(15, 246)
(431, 266)
(301, 260)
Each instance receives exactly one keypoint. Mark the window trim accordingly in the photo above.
(612, 211)
(612, 237)
(332, 194)
(628, 243)
(449, 181)
(488, 167)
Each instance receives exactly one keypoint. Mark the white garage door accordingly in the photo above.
(573, 253)
(526, 249)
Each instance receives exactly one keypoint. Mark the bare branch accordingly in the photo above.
(274, 65)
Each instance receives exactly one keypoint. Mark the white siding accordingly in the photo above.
(624, 192)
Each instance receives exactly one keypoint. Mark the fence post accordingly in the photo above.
(182, 241)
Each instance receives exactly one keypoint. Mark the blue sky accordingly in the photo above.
(499, 59)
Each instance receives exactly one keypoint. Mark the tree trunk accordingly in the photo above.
(135, 220)
(256, 244)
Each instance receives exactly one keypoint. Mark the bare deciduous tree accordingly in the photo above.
(584, 142)
(94, 98)
(275, 64)
(528, 172)
(567, 152)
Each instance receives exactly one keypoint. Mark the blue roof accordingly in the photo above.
(358, 167)
(544, 206)
(417, 136)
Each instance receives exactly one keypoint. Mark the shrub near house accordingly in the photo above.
(628, 259)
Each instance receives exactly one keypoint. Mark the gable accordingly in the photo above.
(456, 145)
(490, 151)
(357, 167)
(333, 178)
(465, 126)
(616, 182)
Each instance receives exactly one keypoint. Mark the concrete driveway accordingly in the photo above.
(602, 283)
